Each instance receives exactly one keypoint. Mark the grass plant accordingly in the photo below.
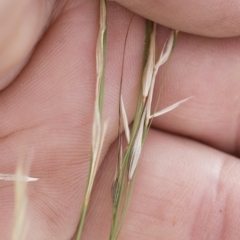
(98, 132)
(129, 155)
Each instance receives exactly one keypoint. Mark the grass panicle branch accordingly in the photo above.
(124, 179)
(98, 131)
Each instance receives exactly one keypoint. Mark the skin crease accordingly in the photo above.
(187, 185)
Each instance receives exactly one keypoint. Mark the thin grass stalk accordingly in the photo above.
(117, 189)
(120, 187)
(122, 112)
(129, 192)
(132, 174)
(138, 111)
(101, 54)
(118, 194)
(98, 133)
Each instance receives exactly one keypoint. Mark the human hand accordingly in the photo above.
(184, 189)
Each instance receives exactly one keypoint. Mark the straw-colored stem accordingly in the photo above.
(121, 190)
(124, 180)
(83, 214)
(98, 133)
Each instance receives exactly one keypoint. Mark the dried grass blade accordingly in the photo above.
(125, 121)
(137, 148)
(98, 133)
(100, 54)
(148, 70)
(170, 108)
(14, 177)
(91, 177)
(99, 150)
(167, 49)
(164, 56)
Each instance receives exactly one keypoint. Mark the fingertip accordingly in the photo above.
(23, 23)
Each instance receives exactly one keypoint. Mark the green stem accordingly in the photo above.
(117, 206)
(82, 217)
(93, 166)
(103, 72)
(85, 204)
(123, 195)
(127, 203)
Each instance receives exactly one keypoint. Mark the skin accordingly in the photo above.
(188, 181)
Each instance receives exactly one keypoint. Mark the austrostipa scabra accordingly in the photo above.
(135, 136)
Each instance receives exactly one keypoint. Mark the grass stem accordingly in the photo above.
(98, 133)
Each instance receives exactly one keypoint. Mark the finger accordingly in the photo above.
(46, 80)
(183, 190)
(207, 18)
(206, 69)
(49, 109)
(22, 23)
